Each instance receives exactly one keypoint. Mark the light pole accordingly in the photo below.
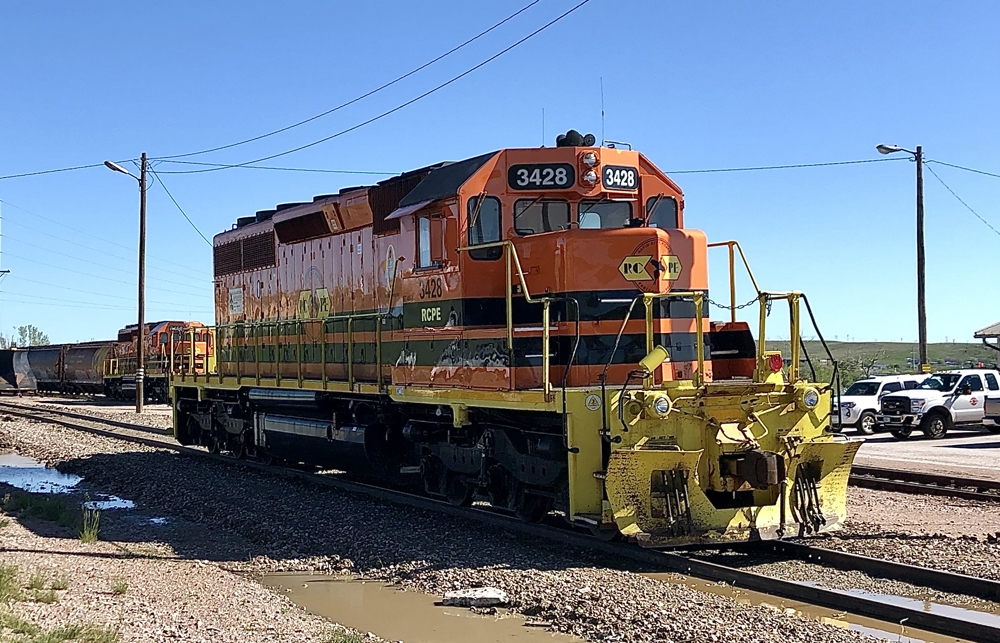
(140, 351)
(918, 156)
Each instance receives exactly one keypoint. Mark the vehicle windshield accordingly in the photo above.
(862, 388)
(940, 382)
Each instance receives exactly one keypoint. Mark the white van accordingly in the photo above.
(859, 405)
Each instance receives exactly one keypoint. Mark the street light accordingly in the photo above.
(140, 361)
(918, 156)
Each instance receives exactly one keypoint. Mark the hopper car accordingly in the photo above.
(61, 368)
(528, 328)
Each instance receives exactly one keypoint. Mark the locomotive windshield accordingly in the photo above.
(661, 212)
(532, 216)
(604, 214)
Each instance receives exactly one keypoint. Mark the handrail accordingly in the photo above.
(510, 252)
(732, 272)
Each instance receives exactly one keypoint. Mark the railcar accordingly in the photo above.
(8, 378)
(527, 327)
(62, 368)
(168, 345)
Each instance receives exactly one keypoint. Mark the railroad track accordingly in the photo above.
(925, 483)
(874, 607)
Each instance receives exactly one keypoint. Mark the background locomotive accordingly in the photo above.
(527, 327)
(108, 367)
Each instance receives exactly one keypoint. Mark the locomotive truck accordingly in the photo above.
(529, 328)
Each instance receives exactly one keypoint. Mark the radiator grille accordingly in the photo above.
(249, 253)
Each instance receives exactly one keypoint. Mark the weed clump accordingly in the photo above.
(60, 581)
(36, 580)
(10, 585)
(91, 527)
(119, 586)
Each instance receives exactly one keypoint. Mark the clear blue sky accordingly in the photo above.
(691, 84)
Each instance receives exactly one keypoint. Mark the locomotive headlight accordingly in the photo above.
(590, 177)
(810, 398)
(662, 405)
(590, 159)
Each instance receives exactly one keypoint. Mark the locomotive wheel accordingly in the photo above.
(531, 508)
(212, 443)
(266, 458)
(458, 491)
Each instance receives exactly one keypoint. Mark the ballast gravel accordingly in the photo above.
(244, 520)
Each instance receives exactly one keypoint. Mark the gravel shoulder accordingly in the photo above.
(245, 521)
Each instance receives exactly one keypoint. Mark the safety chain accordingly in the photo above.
(739, 307)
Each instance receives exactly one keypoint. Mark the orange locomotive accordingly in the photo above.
(529, 327)
(168, 345)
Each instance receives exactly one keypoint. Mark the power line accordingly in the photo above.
(281, 169)
(62, 169)
(962, 167)
(363, 96)
(164, 185)
(102, 251)
(967, 206)
(19, 277)
(398, 107)
(84, 232)
(784, 167)
(89, 274)
(97, 305)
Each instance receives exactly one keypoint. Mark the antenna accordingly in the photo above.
(543, 127)
(602, 111)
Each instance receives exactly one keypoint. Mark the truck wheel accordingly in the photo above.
(935, 425)
(902, 434)
(866, 423)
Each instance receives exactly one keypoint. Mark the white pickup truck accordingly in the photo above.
(944, 401)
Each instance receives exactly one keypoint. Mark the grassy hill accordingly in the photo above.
(894, 355)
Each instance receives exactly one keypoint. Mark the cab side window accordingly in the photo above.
(483, 222)
(972, 382)
(910, 384)
(991, 382)
(661, 212)
(532, 216)
(892, 387)
(430, 242)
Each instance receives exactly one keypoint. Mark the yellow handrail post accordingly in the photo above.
(298, 350)
(507, 249)
(762, 300)
(699, 343)
(732, 284)
(647, 303)
(546, 384)
(378, 351)
(276, 334)
(237, 336)
(170, 369)
(794, 321)
(256, 352)
(323, 332)
(350, 353)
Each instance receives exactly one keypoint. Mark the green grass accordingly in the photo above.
(4, 522)
(77, 632)
(338, 636)
(60, 581)
(44, 506)
(48, 597)
(90, 530)
(895, 354)
(36, 580)
(16, 624)
(119, 586)
(10, 585)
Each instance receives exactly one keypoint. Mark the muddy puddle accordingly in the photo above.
(860, 624)
(33, 476)
(410, 617)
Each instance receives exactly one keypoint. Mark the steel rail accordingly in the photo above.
(915, 575)
(926, 483)
(91, 418)
(873, 607)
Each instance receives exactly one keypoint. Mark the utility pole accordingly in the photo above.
(921, 301)
(140, 349)
(918, 156)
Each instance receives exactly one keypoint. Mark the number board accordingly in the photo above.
(535, 176)
(616, 177)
